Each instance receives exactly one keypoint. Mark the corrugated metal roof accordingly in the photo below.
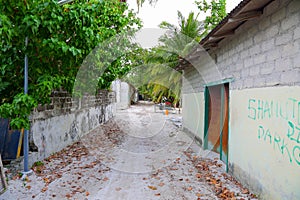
(246, 10)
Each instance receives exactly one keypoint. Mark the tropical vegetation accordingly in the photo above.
(60, 37)
(177, 43)
(62, 46)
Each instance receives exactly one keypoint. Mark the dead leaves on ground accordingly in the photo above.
(44, 189)
(161, 184)
(28, 187)
(59, 163)
(198, 194)
(206, 173)
(189, 188)
(152, 187)
(77, 189)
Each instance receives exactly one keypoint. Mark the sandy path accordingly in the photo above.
(139, 155)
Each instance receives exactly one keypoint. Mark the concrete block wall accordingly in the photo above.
(192, 82)
(66, 119)
(263, 60)
(264, 53)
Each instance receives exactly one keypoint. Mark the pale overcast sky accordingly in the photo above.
(166, 10)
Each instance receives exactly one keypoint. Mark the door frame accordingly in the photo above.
(206, 114)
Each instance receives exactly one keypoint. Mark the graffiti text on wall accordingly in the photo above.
(288, 142)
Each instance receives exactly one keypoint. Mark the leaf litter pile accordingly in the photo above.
(194, 177)
(79, 172)
(71, 172)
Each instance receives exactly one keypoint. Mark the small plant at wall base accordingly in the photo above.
(60, 38)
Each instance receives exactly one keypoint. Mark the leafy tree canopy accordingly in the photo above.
(159, 77)
(216, 10)
(59, 39)
(177, 43)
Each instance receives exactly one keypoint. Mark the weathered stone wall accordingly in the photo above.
(65, 120)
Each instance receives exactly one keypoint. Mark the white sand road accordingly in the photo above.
(140, 154)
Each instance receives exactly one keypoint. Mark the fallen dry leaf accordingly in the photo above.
(105, 179)
(80, 190)
(68, 196)
(161, 184)
(189, 189)
(46, 180)
(245, 191)
(198, 195)
(152, 187)
(213, 181)
(188, 155)
(87, 193)
(158, 194)
(58, 175)
(28, 187)
(44, 189)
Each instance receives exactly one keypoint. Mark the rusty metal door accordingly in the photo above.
(216, 119)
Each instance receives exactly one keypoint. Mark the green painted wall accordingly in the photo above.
(264, 143)
(193, 113)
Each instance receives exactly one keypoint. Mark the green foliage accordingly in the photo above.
(38, 164)
(177, 43)
(217, 10)
(141, 2)
(18, 110)
(60, 38)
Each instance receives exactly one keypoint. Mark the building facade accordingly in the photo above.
(241, 95)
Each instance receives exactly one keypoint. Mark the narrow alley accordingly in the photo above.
(141, 154)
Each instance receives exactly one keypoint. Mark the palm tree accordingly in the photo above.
(176, 43)
(140, 3)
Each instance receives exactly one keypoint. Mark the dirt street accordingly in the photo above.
(141, 154)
